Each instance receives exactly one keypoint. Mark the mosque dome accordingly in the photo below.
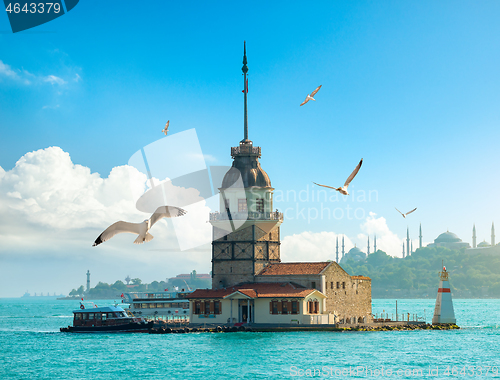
(483, 244)
(355, 254)
(447, 237)
(246, 163)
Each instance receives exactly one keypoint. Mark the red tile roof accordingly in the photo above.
(280, 269)
(256, 290)
(361, 278)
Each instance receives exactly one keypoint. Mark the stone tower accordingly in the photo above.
(246, 235)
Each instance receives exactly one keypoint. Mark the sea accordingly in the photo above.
(31, 347)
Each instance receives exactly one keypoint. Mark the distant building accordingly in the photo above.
(484, 247)
(449, 240)
(355, 254)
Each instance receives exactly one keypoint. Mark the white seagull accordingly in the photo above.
(165, 130)
(343, 189)
(310, 97)
(139, 228)
(404, 215)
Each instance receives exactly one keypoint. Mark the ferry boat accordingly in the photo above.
(168, 306)
(106, 319)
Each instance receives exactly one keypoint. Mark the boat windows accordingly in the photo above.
(103, 316)
(78, 316)
(85, 316)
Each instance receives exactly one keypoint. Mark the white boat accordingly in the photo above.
(167, 306)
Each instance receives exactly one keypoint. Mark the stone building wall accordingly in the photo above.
(238, 256)
(347, 297)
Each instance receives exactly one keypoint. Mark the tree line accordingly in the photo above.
(474, 275)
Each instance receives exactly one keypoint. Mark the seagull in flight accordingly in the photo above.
(310, 97)
(343, 190)
(404, 215)
(165, 130)
(142, 229)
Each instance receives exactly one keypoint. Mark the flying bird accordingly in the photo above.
(165, 130)
(404, 215)
(311, 97)
(142, 229)
(343, 189)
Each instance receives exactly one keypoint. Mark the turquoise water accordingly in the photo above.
(33, 348)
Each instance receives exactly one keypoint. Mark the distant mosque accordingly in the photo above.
(355, 253)
(446, 239)
(450, 240)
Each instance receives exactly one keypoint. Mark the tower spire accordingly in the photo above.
(474, 236)
(337, 252)
(343, 253)
(407, 241)
(492, 234)
(245, 92)
(374, 243)
(368, 248)
(403, 250)
(420, 236)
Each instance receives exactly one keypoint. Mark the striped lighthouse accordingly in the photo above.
(444, 313)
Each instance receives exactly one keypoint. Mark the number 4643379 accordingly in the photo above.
(34, 8)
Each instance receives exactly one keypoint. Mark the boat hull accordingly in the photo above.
(125, 328)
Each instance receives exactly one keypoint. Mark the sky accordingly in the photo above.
(411, 87)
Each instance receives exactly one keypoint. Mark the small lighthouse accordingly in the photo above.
(444, 313)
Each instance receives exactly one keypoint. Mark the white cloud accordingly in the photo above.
(7, 71)
(50, 204)
(52, 79)
(313, 246)
(387, 240)
(320, 246)
(28, 78)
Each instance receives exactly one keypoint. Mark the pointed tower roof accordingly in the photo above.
(246, 156)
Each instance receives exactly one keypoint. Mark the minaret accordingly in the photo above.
(411, 247)
(246, 233)
(368, 248)
(374, 243)
(492, 234)
(420, 236)
(474, 236)
(88, 280)
(407, 241)
(343, 252)
(337, 250)
(403, 250)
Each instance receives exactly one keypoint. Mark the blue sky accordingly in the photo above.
(411, 87)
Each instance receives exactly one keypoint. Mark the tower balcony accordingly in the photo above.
(246, 149)
(223, 216)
